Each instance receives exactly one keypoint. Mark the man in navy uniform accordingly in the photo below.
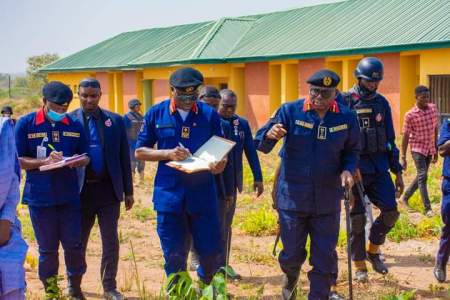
(107, 179)
(45, 137)
(133, 122)
(440, 271)
(233, 175)
(379, 154)
(186, 204)
(319, 154)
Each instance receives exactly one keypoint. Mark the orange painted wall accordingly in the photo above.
(305, 69)
(160, 90)
(104, 83)
(257, 93)
(129, 87)
(390, 86)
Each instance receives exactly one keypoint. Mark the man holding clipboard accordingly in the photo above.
(186, 203)
(45, 137)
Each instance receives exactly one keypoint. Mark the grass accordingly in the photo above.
(143, 214)
(430, 227)
(403, 230)
(259, 222)
(408, 295)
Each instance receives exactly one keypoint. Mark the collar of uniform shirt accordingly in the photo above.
(40, 118)
(173, 107)
(308, 105)
(95, 114)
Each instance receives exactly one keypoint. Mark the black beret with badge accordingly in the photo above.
(324, 78)
(57, 92)
(186, 80)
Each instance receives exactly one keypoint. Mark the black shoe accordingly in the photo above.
(361, 276)
(439, 273)
(113, 295)
(230, 273)
(74, 288)
(335, 296)
(289, 289)
(377, 264)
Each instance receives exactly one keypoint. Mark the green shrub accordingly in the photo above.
(430, 227)
(260, 222)
(403, 230)
(409, 295)
(144, 214)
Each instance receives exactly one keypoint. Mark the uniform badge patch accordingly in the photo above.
(185, 132)
(236, 122)
(365, 122)
(338, 128)
(71, 134)
(55, 136)
(108, 123)
(37, 135)
(379, 118)
(327, 81)
(321, 133)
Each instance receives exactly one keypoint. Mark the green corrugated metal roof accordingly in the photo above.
(211, 42)
(118, 51)
(346, 26)
(352, 26)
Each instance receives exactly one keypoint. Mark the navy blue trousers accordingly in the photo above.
(53, 225)
(323, 231)
(175, 231)
(444, 244)
(381, 191)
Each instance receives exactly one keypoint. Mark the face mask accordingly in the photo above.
(55, 116)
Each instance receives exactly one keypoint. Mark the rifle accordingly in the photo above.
(349, 251)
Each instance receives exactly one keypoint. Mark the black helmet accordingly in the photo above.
(7, 110)
(133, 102)
(369, 68)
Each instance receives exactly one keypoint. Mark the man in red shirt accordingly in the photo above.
(420, 131)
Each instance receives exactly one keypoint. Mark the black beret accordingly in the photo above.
(186, 79)
(324, 78)
(57, 92)
(133, 102)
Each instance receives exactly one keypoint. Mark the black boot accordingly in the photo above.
(74, 288)
(289, 289)
(440, 273)
(377, 264)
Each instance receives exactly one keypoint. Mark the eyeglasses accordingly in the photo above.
(93, 83)
(325, 93)
(186, 97)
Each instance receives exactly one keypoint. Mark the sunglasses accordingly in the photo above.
(187, 97)
(325, 93)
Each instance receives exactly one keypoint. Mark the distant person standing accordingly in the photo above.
(7, 112)
(133, 122)
(13, 248)
(420, 130)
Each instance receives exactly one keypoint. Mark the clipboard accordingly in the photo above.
(63, 163)
(214, 150)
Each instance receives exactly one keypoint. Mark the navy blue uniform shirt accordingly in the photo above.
(242, 135)
(175, 191)
(57, 186)
(313, 155)
(444, 136)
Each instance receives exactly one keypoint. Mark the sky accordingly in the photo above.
(34, 27)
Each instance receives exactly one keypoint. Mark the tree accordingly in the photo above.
(36, 79)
